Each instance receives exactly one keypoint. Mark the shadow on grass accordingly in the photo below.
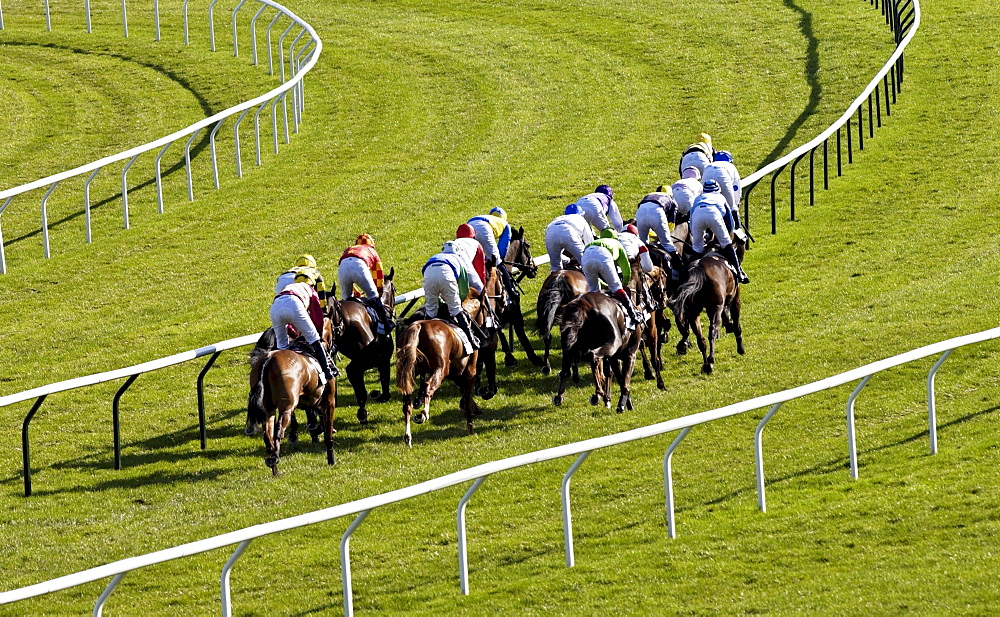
(196, 149)
(842, 463)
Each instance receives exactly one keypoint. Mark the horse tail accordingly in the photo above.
(686, 293)
(549, 303)
(256, 411)
(573, 317)
(406, 359)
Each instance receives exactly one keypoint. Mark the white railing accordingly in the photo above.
(478, 474)
(300, 61)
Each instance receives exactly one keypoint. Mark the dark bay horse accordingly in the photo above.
(285, 380)
(593, 328)
(430, 350)
(711, 287)
(508, 309)
(558, 289)
(360, 342)
(649, 292)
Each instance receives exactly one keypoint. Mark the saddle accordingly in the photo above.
(467, 347)
(380, 327)
(300, 347)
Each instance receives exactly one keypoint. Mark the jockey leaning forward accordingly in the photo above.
(698, 155)
(725, 174)
(467, 247)
(603, 259)
(657, 211)
(685, 191)
(361, 267)
(305, 264)
(600, 209)
(569, 234)
(494, 234)
(297, 305)
(448, 277)
(711, 214)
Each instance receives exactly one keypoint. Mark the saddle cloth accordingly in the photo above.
(379, 324)
(736, 274)
(466, 343)
(303, 350)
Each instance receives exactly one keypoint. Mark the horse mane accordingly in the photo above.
(407, 357)
(685, 295)
(550, 302)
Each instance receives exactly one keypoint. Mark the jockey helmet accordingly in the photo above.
(365, 239)
(691, 172)
(705, 138)
(604, 188)
(573, 208)
(632, 229)
(723, 155)
(303, 277)
(306, 260)
(465, 231)
(711, 186)
(607, 232)
(498, 211)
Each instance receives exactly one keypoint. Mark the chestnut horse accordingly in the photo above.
(365, 348)
(558, 289)
(283, 381)
(711, 287)
(430, 349)
(593, 328)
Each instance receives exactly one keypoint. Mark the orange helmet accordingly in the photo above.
(365, 239)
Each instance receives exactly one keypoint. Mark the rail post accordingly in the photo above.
(236, 46)
(124, 20)
(187, 164)
(256, 130)
(852, 445)
(184, 11)
(758, 443)
(86, 201)
(463, 553)
(253, 32)
(668, 481)
(211, 24)
(86, 11)
(116, 420)
(236, 142)
(159, 179)
(224, 587)
(812, 177)
(99, 606)
(211, 142)
(125, 190)
(270, 53)
(45, 219)
(345, 562)
(931, 406)
(567, 514)
(774, 209)
(201, 398)
(156, 19)
(3, 256)
(26, 445)
(791, 184)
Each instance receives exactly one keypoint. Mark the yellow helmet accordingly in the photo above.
(705, 138)
(306, 260)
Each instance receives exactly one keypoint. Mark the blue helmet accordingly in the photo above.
(573, 208)
(723, 155)
(604, 188)
(711, 186)
(498, 211)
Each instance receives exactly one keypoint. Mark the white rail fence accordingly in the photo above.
(299, 60)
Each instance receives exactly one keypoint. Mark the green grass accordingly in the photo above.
(418, 115)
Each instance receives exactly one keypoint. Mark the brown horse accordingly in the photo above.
(430, 349)
(508, 309)
(711, 287)
(648, 291)
(365, 348)
(558, 289)
(284, 381)
(593, 328)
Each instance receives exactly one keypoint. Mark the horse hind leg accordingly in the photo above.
(714, 325)
(272, 444)
(356, 376)
(734, 312)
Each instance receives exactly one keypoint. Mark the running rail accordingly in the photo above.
(299, 63)
(479, 473)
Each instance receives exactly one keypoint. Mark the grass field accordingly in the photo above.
(420, 114)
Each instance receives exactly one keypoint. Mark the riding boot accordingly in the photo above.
(729, 252)
(622, 296)
(507, 280)
(329, 370)
(385, 322)
(464, 322)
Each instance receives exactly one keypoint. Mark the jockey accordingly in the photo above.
(685, 191)
(697, 155)
(305, 264)
(493, 233)
(449, 277)
(600, 259)
(466, 246)
(298, 305)
(634, 246)
(360, 266)
(724, 172)
(656, 211)
(711, 213)
(569, 233)
(600, 209)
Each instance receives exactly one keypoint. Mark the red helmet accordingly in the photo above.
(365, 239)
(632, 229)
(465, 231)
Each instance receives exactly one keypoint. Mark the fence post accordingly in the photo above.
(45, 219)
(156, 19)
(125, 190)
(211, 141)
(463, 553)
(774, 210)
(86, 200)
(812, 177)
(201, 398)
(159, 179)
(852, 445)
(345, 563)
(124, 20)
(86, 11)
(792, 185)
(26, 445)
(236, 46)
(253, 32)
(99, 607)
(270, 54)
(3, 256)
(256, 129)
(116, 421)
(224, 587)
(931, 406)
(48, 19)
(668, 481)
(236, 142)
(567, 514)
(211, 24)
(187, 164)
(758, 442)
(184, 10)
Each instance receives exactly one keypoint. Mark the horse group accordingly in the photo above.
(592, 326)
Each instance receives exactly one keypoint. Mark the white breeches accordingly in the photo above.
(561, 237)
(440, 282)
(598, 266)
(695, 159)
(595, 213)
(352, 271)
(652, 216)
(485, 237)
(707, 218)
(288, 310)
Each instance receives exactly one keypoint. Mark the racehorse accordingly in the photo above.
(430, 349)
(284, 381)
(365, 348)
(558, 289)
(711, 287)
(649, 290)
(508, 309)
(593, 327)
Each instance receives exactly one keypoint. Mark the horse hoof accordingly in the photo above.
(557, 399)
(607, 404)
(648, 375)
(619, 409)
(740, 350)
(628, 404)
(594, 400)
(546, 370)
(706, 369)
(486, 393)
(272, 462)
(250, 431)
(681, 349)
(293, 437)
(510, 361)
(408, 440)
(661, 386)
(420, 418)
(362, 416)
(274, 472)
